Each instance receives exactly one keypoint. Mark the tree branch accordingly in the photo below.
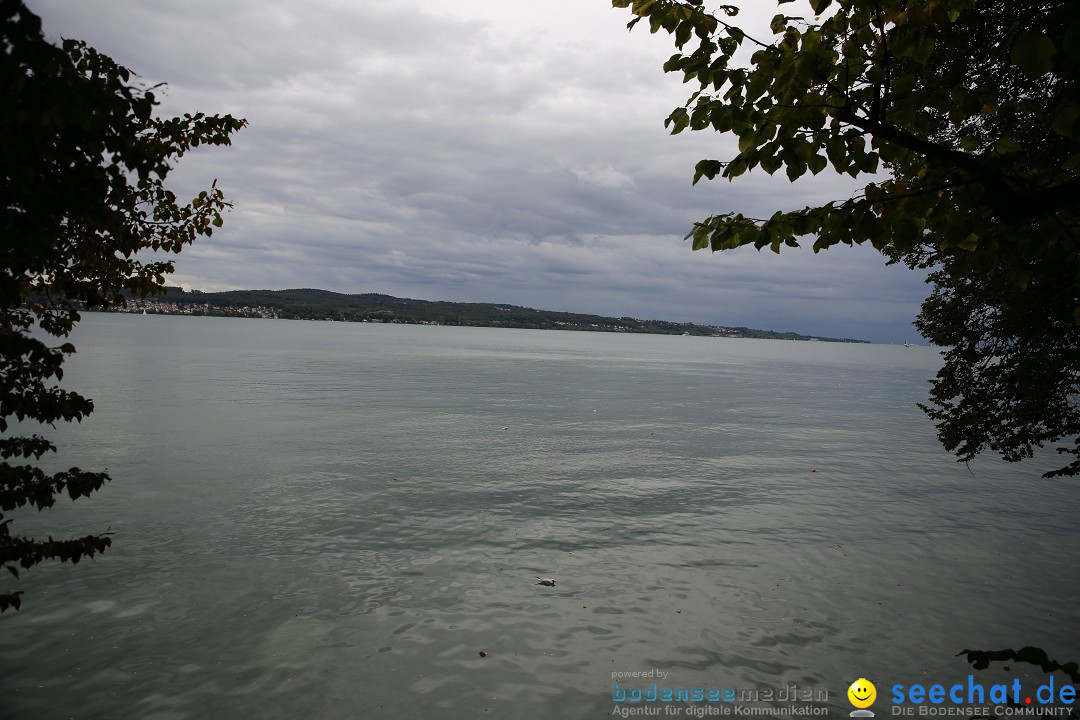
(1006, 203)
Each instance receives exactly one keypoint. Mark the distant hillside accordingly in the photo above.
(306, 304)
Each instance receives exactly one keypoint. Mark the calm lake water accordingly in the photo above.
(330, 520)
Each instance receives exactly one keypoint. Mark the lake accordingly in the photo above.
(336, 520)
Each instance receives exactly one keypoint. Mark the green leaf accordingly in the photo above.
(924, 51)
(770, 162)
(759, 83)
(796, 168)
(836, 149)
(678, 120)
(1065, 120)
(736, 167)
(1020, 277)
(747, 140)
(707, 168)
(683, 33)
(1007, 145)
(1034, 54)
(701, 237)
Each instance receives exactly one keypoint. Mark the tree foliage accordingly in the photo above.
(972, 108)
(82, 193)
(1011, 375)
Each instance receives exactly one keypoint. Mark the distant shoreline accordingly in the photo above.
(308, 304)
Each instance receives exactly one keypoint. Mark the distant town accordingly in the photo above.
(162, 307)
(308, 304)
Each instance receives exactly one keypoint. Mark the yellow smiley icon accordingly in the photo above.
(862, 693)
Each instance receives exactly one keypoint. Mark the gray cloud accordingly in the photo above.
(480, 151)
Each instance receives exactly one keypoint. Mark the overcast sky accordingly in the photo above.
(475, 150)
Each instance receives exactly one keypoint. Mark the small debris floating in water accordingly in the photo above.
(483, 654)
(547, 582)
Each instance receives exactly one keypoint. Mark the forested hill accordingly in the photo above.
(369, 307)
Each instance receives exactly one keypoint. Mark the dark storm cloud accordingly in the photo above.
(476, 150)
